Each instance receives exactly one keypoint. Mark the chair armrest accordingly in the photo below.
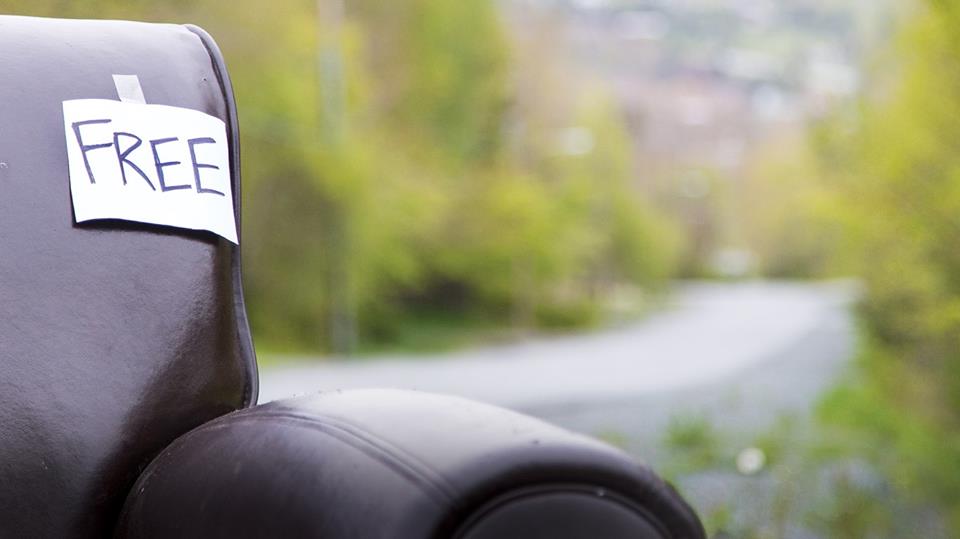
(397, 464)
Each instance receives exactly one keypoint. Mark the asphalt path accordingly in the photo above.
(742, 353)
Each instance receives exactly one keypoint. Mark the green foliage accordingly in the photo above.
(875, 190)
(398, 167)
(794, 224)
(893, 171)
(694, 444)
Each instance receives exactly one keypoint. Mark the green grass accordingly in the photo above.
(434, 332)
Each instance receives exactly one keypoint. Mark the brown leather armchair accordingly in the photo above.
(128, 380)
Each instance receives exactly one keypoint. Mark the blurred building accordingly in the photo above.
(702, 83)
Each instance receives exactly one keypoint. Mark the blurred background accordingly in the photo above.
(721, 235)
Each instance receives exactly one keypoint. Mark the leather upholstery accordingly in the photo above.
(118, 338)
(115, 338)
(398, 464)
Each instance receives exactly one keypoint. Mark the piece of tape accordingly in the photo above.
(128, 89)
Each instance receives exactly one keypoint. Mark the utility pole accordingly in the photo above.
(330, 15)
(340, 309)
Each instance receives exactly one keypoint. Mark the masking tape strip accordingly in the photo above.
(129, 90)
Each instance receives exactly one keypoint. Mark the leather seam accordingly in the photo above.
(373, 446)
(244, 336)
(541, 489)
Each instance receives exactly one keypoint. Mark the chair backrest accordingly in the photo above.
(115, 337)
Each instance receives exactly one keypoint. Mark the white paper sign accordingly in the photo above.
(150, 164)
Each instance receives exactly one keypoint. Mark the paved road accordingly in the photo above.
(716, 336)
